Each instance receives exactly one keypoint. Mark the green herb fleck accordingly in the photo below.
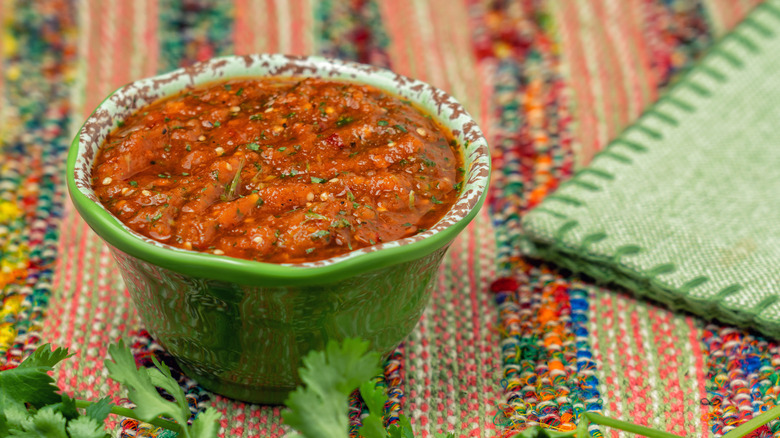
(253, 146)
(402, 128)
(240, 91)
(309, 251)
(382, 123)
(316, 180)
(340, 223)
(434, 200)
(217, 123)
(133, 183)
(344, 120)
(310, 215)
(320, 234)
(233, 187)
(282, 149)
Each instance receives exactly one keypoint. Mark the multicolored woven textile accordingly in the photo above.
(505, 344)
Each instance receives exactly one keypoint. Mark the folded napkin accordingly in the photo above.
(684, 207)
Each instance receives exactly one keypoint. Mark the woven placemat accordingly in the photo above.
(550, 83)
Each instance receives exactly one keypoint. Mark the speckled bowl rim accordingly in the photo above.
(127, 99)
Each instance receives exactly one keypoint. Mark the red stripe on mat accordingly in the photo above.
(582, 82)
(243, 31)
(701, 381)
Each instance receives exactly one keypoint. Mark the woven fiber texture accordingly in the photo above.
(506, 343)
(683, 206)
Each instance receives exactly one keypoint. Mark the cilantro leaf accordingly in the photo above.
(86, 427)
(163, 379)
(319, 409)
(67, 407)
(375, 398)
(206, 424)
(100, 409)
(45, 424)
(45, 357)
(149, 403)
(401, 430)
(14, 416)
(317, 415)
(30, 381)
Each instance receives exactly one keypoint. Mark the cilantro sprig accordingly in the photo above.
(31, 405)
(319, 408)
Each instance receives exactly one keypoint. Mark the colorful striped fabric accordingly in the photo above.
(506, 344)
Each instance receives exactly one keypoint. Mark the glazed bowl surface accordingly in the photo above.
(241, 327)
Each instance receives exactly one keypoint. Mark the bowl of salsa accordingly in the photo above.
(259, 206)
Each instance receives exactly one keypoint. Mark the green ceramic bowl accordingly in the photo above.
(240, 327)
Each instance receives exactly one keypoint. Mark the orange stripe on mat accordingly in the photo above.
(611, 73)
(580, 79)
(649, 82)
(122, 40)
(668, 363)
(243, 31)
(273, 27)
(152, 49)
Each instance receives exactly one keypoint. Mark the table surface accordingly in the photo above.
(506, 343)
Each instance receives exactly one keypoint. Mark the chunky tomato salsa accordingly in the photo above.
(279, 170)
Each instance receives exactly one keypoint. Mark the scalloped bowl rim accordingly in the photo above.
(129, 98)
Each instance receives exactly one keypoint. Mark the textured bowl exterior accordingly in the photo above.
(240, 327)
(246, 342)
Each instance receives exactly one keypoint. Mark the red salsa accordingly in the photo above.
(279, 170)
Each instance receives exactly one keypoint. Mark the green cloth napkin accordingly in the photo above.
(684, 207)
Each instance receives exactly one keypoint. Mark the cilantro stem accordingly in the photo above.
(627, 427)
(754, 423)
(129, 413)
